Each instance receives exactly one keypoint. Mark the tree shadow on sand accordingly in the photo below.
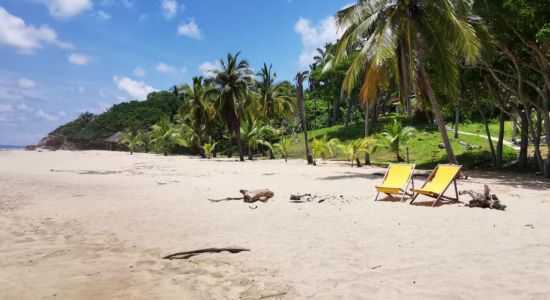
(353, 175)
(428, 202)
(513, 179)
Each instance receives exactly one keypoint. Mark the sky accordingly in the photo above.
(60, 58)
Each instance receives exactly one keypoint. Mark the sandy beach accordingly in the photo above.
(95, 225)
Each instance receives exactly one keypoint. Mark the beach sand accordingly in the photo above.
(95, 225)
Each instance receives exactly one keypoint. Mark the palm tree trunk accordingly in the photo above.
(250, 157)
(438, 116)
(300, 102)
(237, 133)
(457, 119)
(402, 59)
(348, 113)
(366, 109)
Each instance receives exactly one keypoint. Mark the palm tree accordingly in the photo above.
(284, 146)
(233, 82)
(164, 135)
(324, 148)
(131, 139)
(356, 147)
(395, 137)
(276, 98)
(300, 101)
(408, 34)
(209, 149)
(255, 133)
(198, 106)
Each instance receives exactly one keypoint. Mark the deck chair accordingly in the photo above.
(438, 182)
(396, 181)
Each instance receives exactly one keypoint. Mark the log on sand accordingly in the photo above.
(484, 200)
(250, 196)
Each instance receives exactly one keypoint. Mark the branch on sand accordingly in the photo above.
(189, 254)
(249, 196)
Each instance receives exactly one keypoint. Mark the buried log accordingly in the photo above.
(189, 254)
(483, 200)
(250, 196)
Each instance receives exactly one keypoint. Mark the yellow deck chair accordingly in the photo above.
(438, 182)
(396, 180)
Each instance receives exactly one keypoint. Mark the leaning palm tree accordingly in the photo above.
(233, 81)
(131, 139)
(198, 106)
(277, 99)
(407, 34)
(395, 137)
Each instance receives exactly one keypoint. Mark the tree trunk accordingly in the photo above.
(250, 157)
(404, 76)
(536, 142)
(336, 111)
(500, 141)
(300, 102)
(237, 133)
(515, 128)
(348, 113)
(358, 162)
(487, 131)
(367, 115)
(457, 119)
(524, 143)
(438, 116)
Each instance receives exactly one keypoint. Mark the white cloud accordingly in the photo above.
(190, 29)
(65, 9)
(127, 3)
(26, 83)
(170, 8)
(164, 68)
(23, 107)
(46, 116)
(207, 67)
(5, 107)
(102, 16)
(80, 59)
(140, 72)
(26, 38)
(135, 89)
(315, 36)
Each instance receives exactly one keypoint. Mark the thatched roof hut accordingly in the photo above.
(113, 140)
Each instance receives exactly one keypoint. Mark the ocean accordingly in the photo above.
(11, 147)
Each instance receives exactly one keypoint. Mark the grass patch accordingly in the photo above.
(423, 147)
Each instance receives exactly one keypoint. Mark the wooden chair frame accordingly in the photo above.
(439, 197)
(410, 180)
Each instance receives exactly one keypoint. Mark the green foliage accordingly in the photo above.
(323, 148)
(255, 133)
(395, 137)
(209, 149)
(132, 139)
(283, 146)
(164, 135)
(356, 147)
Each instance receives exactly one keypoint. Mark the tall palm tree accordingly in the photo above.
(233, 82)
(407, 34)
(198, 106)
(300, 101)
(276, 98)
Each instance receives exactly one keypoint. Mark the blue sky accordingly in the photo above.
(60, 58)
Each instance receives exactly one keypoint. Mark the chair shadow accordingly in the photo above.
(430, 203)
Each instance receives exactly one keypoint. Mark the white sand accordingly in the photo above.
(94, 225)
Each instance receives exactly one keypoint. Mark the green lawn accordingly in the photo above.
(479, 128)
(423, 148)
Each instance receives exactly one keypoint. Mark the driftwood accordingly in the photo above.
(484, 200)
(250, 196)
(189, 254)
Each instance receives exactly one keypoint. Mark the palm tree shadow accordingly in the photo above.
(353, 175)
(512, 179)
